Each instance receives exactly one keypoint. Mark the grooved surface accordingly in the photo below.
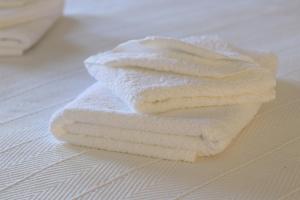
(262, 163)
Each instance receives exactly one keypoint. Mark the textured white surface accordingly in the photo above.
(263, 163)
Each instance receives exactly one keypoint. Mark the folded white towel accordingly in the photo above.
(14, 3)
(184, 82)
(28, 12)
(99, 119)
(205, 71)
(14, 40)
(195, 56)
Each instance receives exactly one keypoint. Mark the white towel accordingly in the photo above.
(168, 98)
(205, 71)
(14, 3)
(196, 56)
(99, 119)
(17, 38)
(36, 9)
(14, 41)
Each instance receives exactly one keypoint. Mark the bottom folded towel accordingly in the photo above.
(99, 119)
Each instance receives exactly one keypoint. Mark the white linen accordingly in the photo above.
(204, 56)
(262, 162)
(211, 81)
(99, 119)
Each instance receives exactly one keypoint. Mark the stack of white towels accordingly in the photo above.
(168, 98)
(24, 22)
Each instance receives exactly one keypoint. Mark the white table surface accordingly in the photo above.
(262, 164)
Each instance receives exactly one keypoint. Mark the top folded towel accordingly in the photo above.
(157, 74)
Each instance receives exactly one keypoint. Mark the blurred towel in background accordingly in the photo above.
(24, 22)
(13, 3)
